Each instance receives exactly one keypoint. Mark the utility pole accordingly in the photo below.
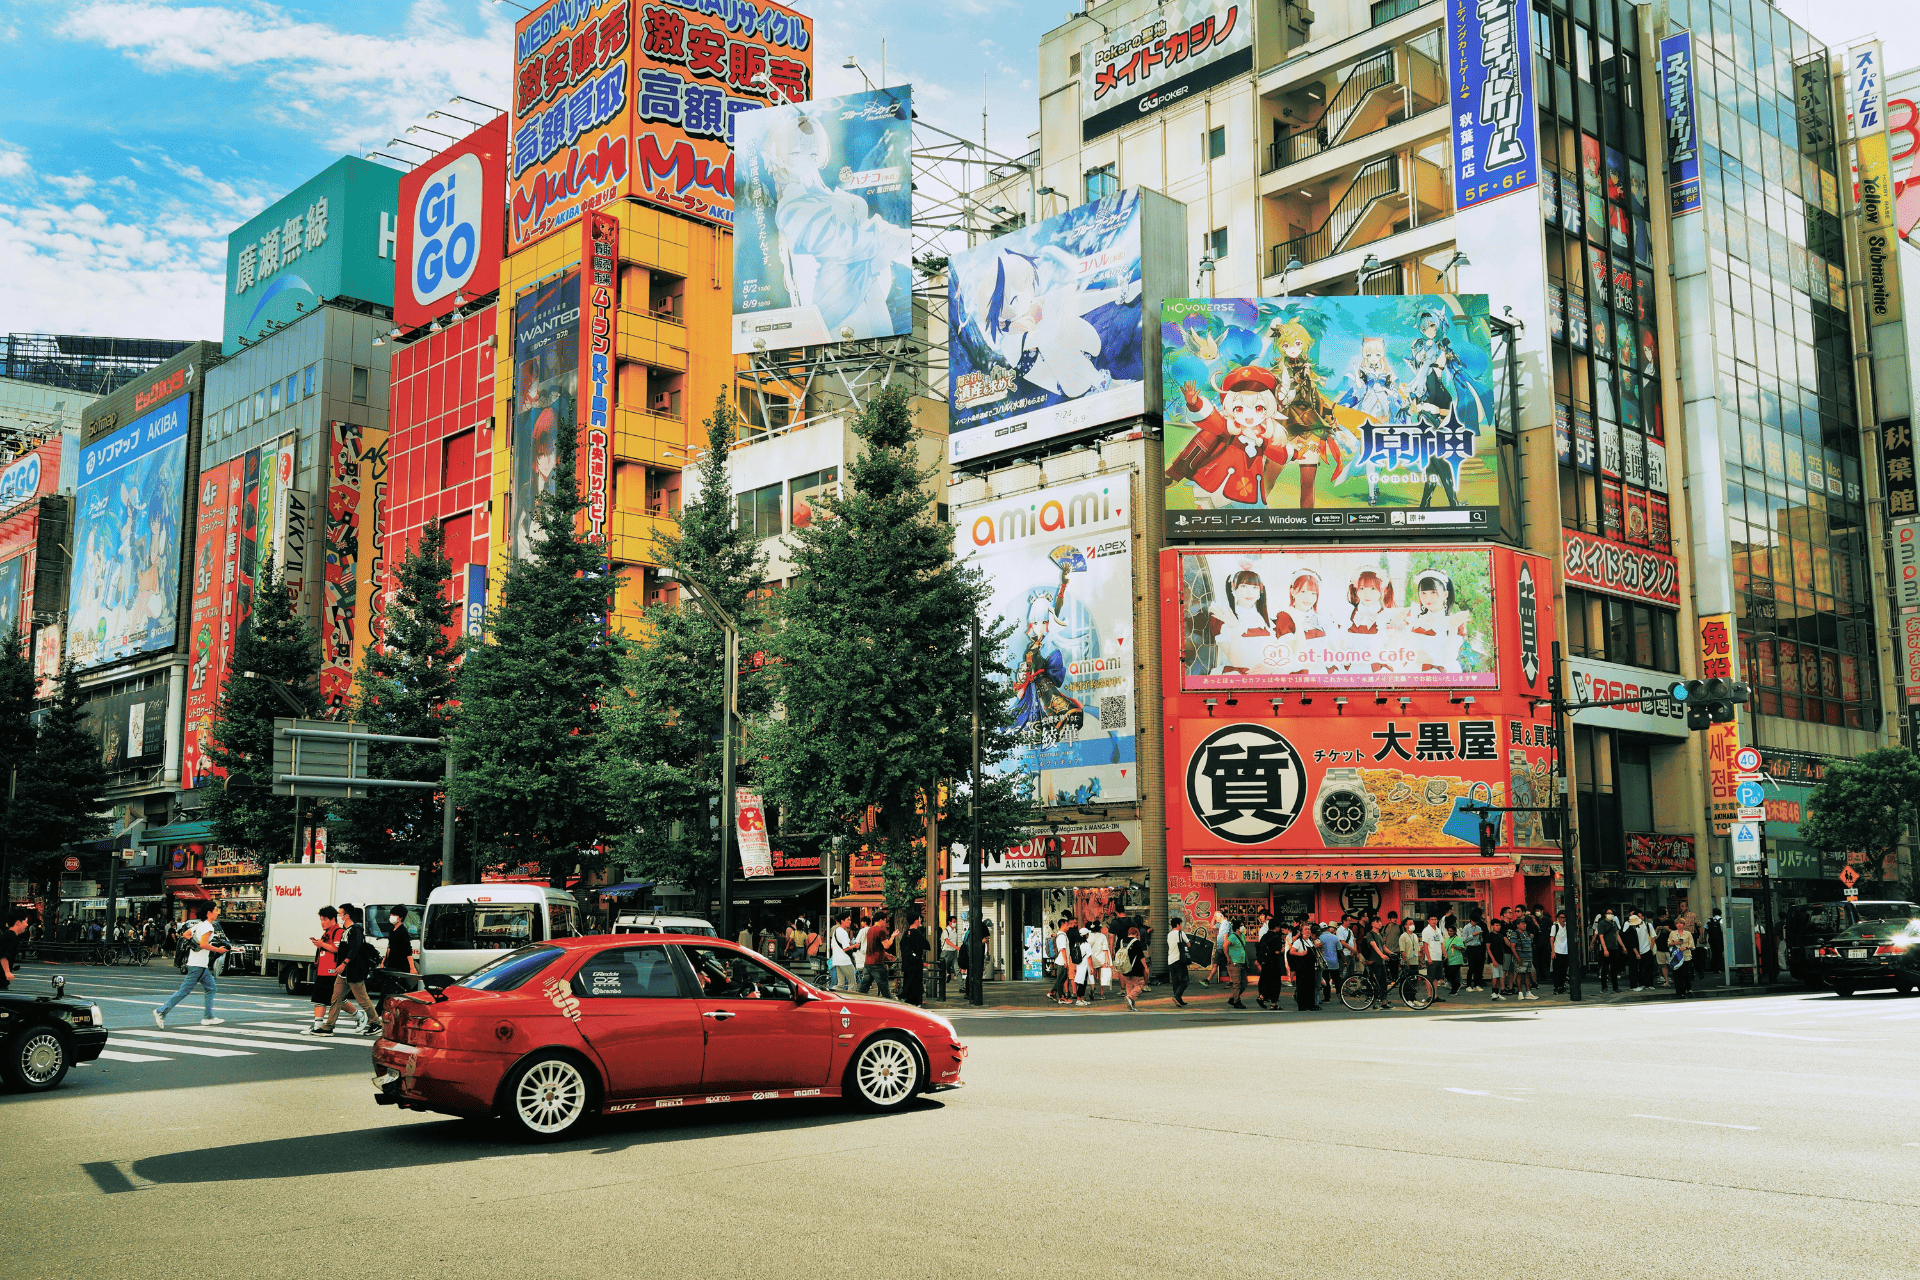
(976, 939)
(931, 921)
(1569, 843)
(729, 709)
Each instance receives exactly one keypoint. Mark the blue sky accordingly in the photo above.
(138, 133)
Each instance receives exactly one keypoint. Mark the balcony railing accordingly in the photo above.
(1342, 109)
(1376, 181)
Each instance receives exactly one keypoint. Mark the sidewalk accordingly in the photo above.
(1213, 998)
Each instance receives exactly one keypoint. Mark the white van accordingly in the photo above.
(652, 922)
(468, 925)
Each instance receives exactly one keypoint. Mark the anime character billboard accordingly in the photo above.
(1349, 415)
(546, 357)
(1060, 566)
(125, 595)
(823, 221)
(13, 581)
(1048, 336)
(1378, 618)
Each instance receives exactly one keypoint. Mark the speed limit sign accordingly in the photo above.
(71, 864)
(1747, 760)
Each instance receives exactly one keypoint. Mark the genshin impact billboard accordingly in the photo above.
(1340, 416)
(1060, 566)
(125, 596)
(1048, 335)
(823, 221)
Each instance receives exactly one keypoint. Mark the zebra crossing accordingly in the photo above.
(141, 1046)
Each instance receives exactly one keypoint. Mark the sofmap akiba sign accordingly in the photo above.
(1490, 75)
(1677, 104)
(1180, 49)
(1602, 564)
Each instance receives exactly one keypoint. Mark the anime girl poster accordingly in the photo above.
(1346, 403)
(823, 221)
(1286, 618)
(546, 350)
(1059, 567)
(124, 595)
(1047, 332)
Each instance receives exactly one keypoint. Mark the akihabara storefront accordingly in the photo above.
(1333, 717)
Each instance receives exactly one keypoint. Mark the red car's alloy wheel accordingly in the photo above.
(886, 1073)
(549, 1098)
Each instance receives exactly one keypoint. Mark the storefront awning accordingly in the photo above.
(777, 888)
(1238, 871)
(1045, 880)
(178, 833)
(626, 890)
(190, 895)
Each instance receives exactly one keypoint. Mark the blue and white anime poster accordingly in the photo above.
(1047, 335)
(13, 580)
(125, 595)
(823, 221)
(1059, 563)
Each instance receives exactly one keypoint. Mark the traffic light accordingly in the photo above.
(1052, 846)
(1489, 834)
(1710, 702)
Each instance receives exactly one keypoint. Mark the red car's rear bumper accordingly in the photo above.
(438, 1079)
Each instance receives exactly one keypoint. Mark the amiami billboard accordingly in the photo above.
(619, 98)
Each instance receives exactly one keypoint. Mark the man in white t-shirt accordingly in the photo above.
(1099, 960)
(840, 954)
(199, 969)
(1433, 953)
(1222, 926)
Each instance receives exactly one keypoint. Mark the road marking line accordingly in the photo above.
(114, 1055)
(1773, 1035)
(300, 1029)
(195, 1038)
(1713, 1124)
(1897, 1017)
(1483, 1093)
(308, 1039)
(196, 1050)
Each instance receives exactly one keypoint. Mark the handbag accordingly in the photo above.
(1463, 823)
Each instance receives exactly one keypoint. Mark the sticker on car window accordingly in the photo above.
(563, 999)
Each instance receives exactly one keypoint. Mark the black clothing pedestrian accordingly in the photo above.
(913, 965)
(399, 949)
(1273, 959)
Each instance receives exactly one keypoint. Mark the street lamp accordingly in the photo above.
(1367, 268)
(1293, 264)
(729, 710)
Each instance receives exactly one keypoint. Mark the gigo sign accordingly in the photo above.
(452, 225)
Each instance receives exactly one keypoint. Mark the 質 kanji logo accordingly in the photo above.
(1246, 783)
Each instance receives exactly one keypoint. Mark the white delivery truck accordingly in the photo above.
(297, 890)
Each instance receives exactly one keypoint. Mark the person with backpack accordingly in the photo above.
(1178, 958)
(1607, 949)
(1131, 960)
(325, 964)
(357, 957)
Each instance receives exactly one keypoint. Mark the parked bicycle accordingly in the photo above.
(1362, 991)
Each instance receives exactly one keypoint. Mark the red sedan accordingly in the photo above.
(555, 1032)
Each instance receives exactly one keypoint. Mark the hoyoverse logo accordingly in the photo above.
(1246, 783)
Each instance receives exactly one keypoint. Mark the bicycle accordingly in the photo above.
(1358, 994)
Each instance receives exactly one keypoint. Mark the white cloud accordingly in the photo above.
(72, 186)
(352, 91)
(13, 161)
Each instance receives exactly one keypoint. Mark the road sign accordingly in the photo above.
(1752, 813)
(1849, 877)
(1746, 848)
(71, 864)
(1747, 760)
(319, 761)
(1750, 795)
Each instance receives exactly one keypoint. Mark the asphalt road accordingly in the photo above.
(1768, 1137)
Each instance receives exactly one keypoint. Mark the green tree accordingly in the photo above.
(663, 721)
(1866, 804)
(874, 685)
(281, 651)
(16, 755)
(528, 733)
(407, 689)
(62, 792)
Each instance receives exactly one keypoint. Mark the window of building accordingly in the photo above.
(1073, 64)
(228, 419)
(293, 388)
(273, 398)
(1215, 243)
(760, 511)
(309, 380)
(260, 406)
(1388, 10)
(1103, 181)
(459, 534)
(1216, 142)
(1622, 631)
(361, 382)
(456, 458)
(804, 493)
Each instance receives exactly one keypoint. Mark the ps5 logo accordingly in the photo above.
(446, 244)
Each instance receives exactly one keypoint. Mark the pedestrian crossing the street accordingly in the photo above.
(142, 1046)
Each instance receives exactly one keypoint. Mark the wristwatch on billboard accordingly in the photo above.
(1343, 810)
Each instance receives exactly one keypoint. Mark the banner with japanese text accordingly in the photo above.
(1718, 662)
(1349, 783)
(1496, 148)
(209, 645)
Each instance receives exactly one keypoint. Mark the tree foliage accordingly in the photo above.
(663, 721)
(406, 689)
(62, 793)
(1865, 804)
(280, 649)
(874, 685)
(528, 732)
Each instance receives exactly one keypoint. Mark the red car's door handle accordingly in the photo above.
(718, 1015)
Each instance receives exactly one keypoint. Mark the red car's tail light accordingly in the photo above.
(1891, 949)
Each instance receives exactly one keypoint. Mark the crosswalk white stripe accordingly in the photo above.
(301, 1029)
(198, 1051)
(114, 1055)
(202, 1038)
(310, 1041)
